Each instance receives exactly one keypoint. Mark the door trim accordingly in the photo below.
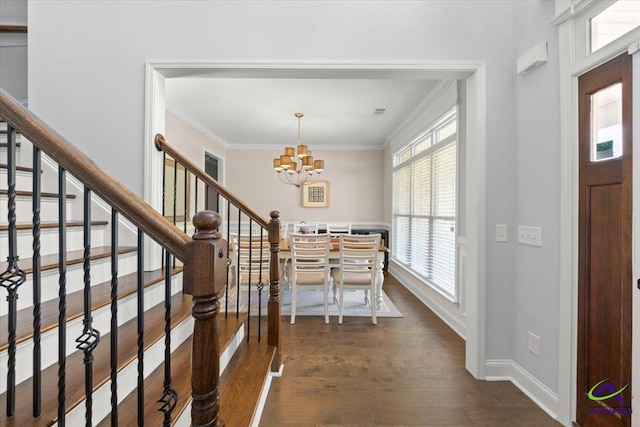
(475, 75)
(570, 70)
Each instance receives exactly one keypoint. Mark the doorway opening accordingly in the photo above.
(212, 198)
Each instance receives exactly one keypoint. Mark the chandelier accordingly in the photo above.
(297, 163)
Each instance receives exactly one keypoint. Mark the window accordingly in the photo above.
(602, 29)
(615, 21)
(424, 205)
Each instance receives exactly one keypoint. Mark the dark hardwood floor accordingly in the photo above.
(401, 372)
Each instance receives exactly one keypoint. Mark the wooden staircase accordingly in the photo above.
(139, 367)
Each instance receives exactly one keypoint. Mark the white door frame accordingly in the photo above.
(574, 62)
(473, 72)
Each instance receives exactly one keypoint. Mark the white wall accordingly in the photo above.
(535, 290)
(356, 185)
(87, 81)
(190, 141)
(356, 177)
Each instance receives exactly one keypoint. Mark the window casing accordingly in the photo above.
(424, 206)
(618, 19)
(599, 34)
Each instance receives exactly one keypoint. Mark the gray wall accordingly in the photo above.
(13, 49)
(535, 290)
(87, 81)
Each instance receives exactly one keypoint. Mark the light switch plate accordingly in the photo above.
(530, 235)
(501, 232)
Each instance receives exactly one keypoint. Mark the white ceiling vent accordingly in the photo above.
(379, 111)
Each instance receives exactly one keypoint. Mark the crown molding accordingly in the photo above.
(198, 126)
(232, 146)
(433, 70)
(576, 8)
(419, 109)
(316, 148)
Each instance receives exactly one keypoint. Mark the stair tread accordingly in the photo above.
(18, 168)
(180, 376)
(49, 262)
(44, 194)
(242, 382)
(100, 297)
(127, 352)
(53, 224)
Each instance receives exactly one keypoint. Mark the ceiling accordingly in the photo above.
(259, 112)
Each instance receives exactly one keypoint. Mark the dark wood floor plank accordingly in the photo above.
(400, 372)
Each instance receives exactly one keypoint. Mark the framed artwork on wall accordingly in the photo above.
(315, 194)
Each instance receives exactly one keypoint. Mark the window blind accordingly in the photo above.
(424, 207)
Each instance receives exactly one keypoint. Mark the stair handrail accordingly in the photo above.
(101, 182)
(272, 226)
(203, 255)
(164, 146)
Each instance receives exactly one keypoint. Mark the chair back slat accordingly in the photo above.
(309, 266)
(305, 227)
(337, 229)
(358, 255)
(252, 255)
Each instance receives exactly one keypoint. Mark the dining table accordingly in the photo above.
(284, 256)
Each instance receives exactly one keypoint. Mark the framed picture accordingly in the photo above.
(315, 194)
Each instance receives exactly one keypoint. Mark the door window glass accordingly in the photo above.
(606, 123)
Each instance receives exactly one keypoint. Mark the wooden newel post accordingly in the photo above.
(273, 308)
(205, 272)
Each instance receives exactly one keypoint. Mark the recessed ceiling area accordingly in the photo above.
(259, 112)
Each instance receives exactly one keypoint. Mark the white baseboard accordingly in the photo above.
(263, 396)
(439, 308)
(508, 370)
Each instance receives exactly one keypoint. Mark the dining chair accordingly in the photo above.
(358, 254)
(309, 268)
(305, 227)
(250, 259)
(336, 229)
(300, 227)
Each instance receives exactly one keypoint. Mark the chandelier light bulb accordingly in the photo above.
(307, 165)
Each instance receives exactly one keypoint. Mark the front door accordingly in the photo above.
(604, 269)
